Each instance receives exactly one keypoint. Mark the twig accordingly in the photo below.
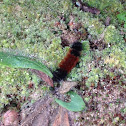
(85, 7)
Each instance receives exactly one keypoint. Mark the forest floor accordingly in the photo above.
(47, 31)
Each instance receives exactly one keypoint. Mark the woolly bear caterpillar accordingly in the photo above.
(68, 63)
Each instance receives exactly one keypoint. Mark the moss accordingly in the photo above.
(112, 35)
(116, 57)
(101, 4)
(107, 8)
(95, 27)
(10, 81)
(93, 77)
(31, 24)
(28, 27)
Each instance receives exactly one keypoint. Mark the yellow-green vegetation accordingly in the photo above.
(112, 35)
(13, 85)
(27, 27)
(107, 8)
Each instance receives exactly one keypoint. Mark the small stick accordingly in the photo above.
(85, 7)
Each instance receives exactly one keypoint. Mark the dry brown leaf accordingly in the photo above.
(66, 86)
(61, 118)
(43, 76)
(38, 114)
(43, 113)
(66, 120)
(57, 121)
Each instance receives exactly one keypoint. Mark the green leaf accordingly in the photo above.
(122, 16)
(76, 104)
(15, 61)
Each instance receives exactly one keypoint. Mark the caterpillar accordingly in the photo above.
(68, 63)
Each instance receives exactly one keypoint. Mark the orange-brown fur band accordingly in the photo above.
(69, 62)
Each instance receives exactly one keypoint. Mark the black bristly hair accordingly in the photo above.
(75, 52)
(59, 75)
(77, 46)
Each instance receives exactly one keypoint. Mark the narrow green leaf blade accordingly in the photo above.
(76, 104)
(15, 61)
